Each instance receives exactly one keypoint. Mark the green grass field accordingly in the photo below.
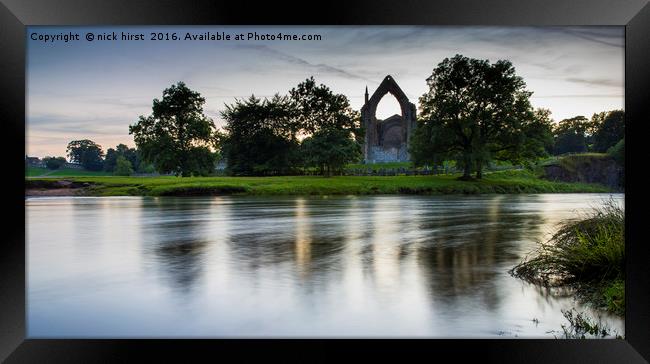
(496, 182)
(378, 166)
(64, 172)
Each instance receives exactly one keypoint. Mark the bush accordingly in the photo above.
(54, 162)
(618, 152)
(123, 167)
(614, 297)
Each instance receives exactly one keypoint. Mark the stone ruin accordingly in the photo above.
(387, 140)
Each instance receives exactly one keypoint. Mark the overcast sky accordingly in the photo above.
(95, 90)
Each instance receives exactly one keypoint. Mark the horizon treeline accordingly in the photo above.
(473, 113)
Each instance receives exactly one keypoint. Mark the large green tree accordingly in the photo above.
(315, 107)
(571, 135)
(87, 153)
(478, 111)
(177, 137)
(262, 136)
(330, 149)
(329, 122)
(259, 137)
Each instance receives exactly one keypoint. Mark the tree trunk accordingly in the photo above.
(479, 170)
(467, 168)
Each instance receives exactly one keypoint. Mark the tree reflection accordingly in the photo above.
(174, 239)
(470, 248)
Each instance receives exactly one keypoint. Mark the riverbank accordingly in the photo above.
(504, 182)
(587, 255)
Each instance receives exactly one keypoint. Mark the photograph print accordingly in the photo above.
(325, 182)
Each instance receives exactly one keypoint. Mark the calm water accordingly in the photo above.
(389, 266)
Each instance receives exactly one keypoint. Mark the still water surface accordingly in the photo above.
(380, 266)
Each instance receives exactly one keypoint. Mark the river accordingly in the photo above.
(354, 266)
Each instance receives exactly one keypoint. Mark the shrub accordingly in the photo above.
(588, 250)
(123, 167)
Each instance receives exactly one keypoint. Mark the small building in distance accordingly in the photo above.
(72, 165)
(34, 162)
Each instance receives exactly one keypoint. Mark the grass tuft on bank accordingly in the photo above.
(588, 254)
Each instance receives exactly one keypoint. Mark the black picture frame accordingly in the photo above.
(15, 15)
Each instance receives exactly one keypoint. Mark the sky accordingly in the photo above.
(95, 89)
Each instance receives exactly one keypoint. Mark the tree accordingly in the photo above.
(262, 135)
(54, 162)
(110, 160)
(571, 135)
(617, 152)
(131, 154)
(123, 167)
(330, 149)
(609, 129)
(315, 107)
(537, 139)
(177, 136)
(87, 153)
(431, 144)
(330, 122)
(259, 138)
(477, 111)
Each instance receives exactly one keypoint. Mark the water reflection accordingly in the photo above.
(358, 266)
(174, 241)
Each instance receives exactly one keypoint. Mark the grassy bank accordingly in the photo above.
(63, 172)
(497, 182)
(588, 254)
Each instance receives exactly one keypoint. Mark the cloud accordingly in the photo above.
(616, 41)
(577, 96)
(321, 67)
(606, 82)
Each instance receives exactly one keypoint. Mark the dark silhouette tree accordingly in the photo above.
(54, 162)
(315, 107)
(477, 111)
(259, 137)
(177, 137)
(121, 150)
(87, 153)
(330, 149)
(571, 135)
(609, 129)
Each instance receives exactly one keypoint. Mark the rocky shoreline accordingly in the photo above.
(54, 188)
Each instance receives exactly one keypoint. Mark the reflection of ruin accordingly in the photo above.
(303, 239)
(387, 140)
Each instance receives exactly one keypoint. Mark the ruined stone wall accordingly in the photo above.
(377, 154)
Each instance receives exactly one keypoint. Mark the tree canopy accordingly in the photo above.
(87, 153)
(54, 162)
(258, 139)
(609, 129)
(123, 167)
(315, 107)
(177, 137)
(476, 111)
(262, 136)
(571, 135)
(330, 149)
